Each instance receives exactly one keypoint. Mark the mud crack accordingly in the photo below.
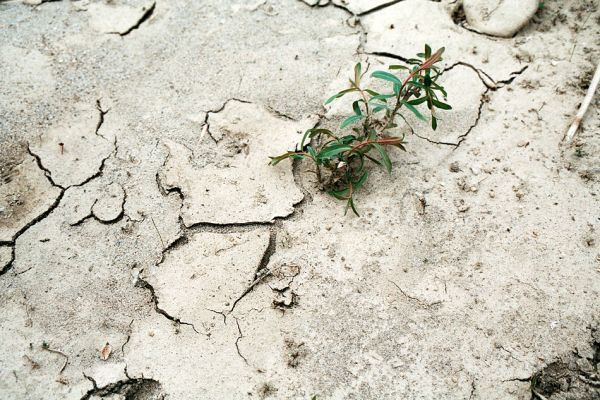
(105, 221)
(237, 340)
(216, 111)
(416, 300)
(100, 118)
(144, 284)
(31, 223)
(137, 388)
(341, 6)
(482, 101)
(262, 271)
(147, 14)
(40, 165)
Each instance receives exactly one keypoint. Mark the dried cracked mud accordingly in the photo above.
(148, 252)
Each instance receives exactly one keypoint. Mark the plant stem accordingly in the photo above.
(425, 65)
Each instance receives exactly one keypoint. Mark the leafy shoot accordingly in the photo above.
(345, 157)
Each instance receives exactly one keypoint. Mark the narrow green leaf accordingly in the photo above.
(277, 159)
(433, 122)
(427, 51)
(427, 81)
(386, 76)
(339, 94)
(440, 88)
(310, 133)
(332, 98)
(380, 107)
(351, 204)
(357, 71)
(414, 111)
(339, 194)
(383, 97)
(361, 181)
(376, 161)
(347, 139)
(395, 66)
(441, 105)
(356, 108)
(350, 120)
(417, 84)
(372, 92)
(384, 157)
(333, 150)
(416, 102)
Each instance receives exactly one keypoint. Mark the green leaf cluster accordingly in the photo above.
(346, 157)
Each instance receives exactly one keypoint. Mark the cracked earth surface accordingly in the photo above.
(148, 252)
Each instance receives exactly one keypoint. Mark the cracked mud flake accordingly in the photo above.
(118, 18)
(25, 194)
(240, 187)
(207, 275)
(72, 288)
(186, 364)
(82, 152)
(416, 22)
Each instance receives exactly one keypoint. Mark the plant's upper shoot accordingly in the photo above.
(374, 114)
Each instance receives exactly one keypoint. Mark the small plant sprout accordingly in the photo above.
(345, 157)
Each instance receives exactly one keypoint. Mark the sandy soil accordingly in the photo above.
(148, 252)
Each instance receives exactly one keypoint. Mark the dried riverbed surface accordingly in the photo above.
(148, 252)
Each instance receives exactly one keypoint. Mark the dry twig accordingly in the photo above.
(584, 106)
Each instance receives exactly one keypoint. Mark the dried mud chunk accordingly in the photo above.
(208, 274)
(245, 189)
(502, 18)
(71, 149)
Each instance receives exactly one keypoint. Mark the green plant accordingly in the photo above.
(344, 157)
